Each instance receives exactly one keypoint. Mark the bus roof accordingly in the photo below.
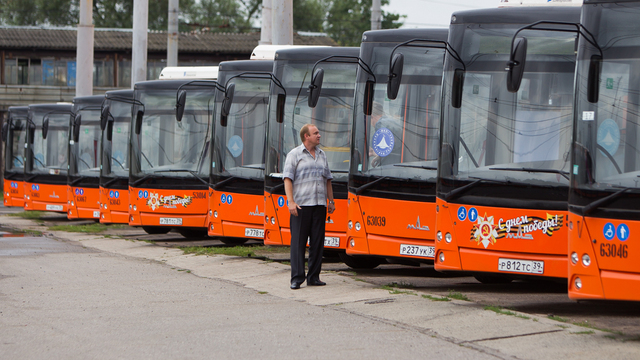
(512, 3)
(18, 108)
(87, 100)
(189, 72)
(400, 35)
(119, 94)
(268, 52)
(315, 53)
(51, 107)
(247, 65)
(515, 15)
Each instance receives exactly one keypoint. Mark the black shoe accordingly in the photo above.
(295, 285)
(316, 283)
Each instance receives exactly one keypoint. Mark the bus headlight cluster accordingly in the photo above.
(210, 212)
(447, 237)
(577, 283)
(441, 257)
(353, 243)
(350, 224)
(273, 220)
(574, 258)
(586, 260)
(215, 214)
(135, 208)
(211, 226)
(266, 219)
(358, 227)
(439, 235)
(72, 204)
(132, 218)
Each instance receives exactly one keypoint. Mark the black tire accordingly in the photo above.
(233, 241)
(156, 230)
(492, 279)
(193, 233)
(360, 262)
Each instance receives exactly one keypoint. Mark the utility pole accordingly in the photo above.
(172, 33)
(84, 50)
(376, 15)
(265, 31)
(282, 22)
(139, 43)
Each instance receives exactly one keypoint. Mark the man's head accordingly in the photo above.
(310, 135)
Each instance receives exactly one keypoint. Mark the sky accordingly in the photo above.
(433, 13)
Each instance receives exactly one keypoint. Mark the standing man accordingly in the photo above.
(307, 184)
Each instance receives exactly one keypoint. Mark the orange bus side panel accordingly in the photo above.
(356, 235)
(14, 193)
(236, 212)
(272, 234)
(114, 206)
(445, 225)
(153, 206)
(45, 197)
(85, 203)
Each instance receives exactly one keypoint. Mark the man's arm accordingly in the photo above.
(332, 206)
(288, 190)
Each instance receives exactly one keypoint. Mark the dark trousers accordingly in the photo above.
(309, 224)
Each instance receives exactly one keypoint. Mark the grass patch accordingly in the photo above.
(499, 310)
(588, 332)
(242, 251)
(457, 296)
(558, 318)
(87, 228)
(394, 291)
(562, 326)
(586, 324)
(32, 215)
(263, 292)
(433, 298)
(401, 285)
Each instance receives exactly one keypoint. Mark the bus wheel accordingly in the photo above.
(359, 262)
(193, 233)
(155, 230)
(492, 279)
(233, 241)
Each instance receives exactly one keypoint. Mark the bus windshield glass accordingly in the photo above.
(50, 154)
(84, 153)
(239, 146)
(608, 132)
(173, 148)
(400, 138)
(502, 136)
(115, 153)
(17, 137)
(332, 115)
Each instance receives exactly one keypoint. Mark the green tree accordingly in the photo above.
(218, 16)
(309, 15)
(348, 19)
(39, 12)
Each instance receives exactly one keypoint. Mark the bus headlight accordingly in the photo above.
(135, 208)
(273, 220)
(577, 283)
(439, 235)
(447, 237)
(72, 204)
(358, 227)
(350, 224)
(210, 212)
(441, 257)
(586, 260)
(353, 243)
(574, 258)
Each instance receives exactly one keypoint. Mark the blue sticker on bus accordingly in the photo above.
(116, 194)
(235, 145)
(35, 187)
(281, 201)
(609, 136)
(223, 198)
(79, 191)
(609, 231)
(383, 142)
(462, 213)
(229, 199)
(622, 232)
(473, 214)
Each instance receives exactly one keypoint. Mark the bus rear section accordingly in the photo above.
(391, 206)
(14, 134)
(332, 115)
(604, 201)
(83, 196)
(236, 180)
(46, 157)
(169, 159)
(114, 165)
(503, 172)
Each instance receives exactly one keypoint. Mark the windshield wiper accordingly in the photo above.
(146, 177)
(417, 166)
(339, 171)
(79, 179)
(195, 174)
(364, 187)
(110, 182)
(220, 184)
(598, 203)
(448, 196)
(533, 170)
(251, 167)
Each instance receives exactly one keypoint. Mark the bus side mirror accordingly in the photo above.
(180, 104)
(45, 127)
(5, 129)
(110, 130)
(104, 116)
(280, 102)
(139, 116)
(593, 82)
(227, 102)
(76, 127)
(32, 131)
(515, 66)
(456, 88)
(369, 87)
(315, 88)
(395, 76)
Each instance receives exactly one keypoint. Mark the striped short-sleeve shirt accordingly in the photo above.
(309, 176)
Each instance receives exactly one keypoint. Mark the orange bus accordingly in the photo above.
(46, 155)
(115, 121)
(14, 134)
(236, 179)
(169, 159)
(604, 198)
(83, 193)
(503, 170)
(332, 115)
(391, 211)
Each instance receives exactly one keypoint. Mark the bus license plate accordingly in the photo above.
(254, 233)
(521, 266)
(331, 241)
(96, 214)
(415, 250)
(170, 221)
(54, 207)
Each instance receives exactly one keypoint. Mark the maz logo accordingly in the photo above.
(417, 226)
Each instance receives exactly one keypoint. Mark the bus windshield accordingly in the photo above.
(239, 146)
(502, 136)
(84, 153)
(17, 137)
(332, 115)
(168, 147)
(607, 133)
(400, 138)
(50, 155)
(115, 153)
